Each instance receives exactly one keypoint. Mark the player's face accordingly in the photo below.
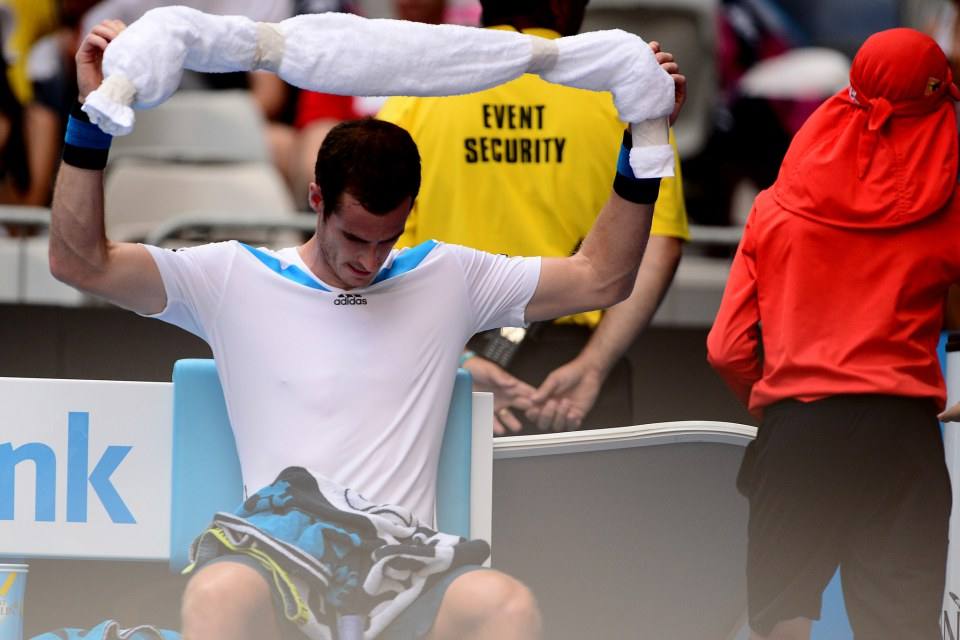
(355, 243)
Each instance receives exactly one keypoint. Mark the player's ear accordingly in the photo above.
(315, 198)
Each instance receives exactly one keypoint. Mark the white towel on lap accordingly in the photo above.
(350, 55)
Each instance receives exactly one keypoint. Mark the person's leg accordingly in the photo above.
(796, 629)
(486, 604)
(795, 476)
(228, 601)
(894, 568)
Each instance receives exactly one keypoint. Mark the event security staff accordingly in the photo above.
(525, 167)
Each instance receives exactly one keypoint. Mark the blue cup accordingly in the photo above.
(13, 583)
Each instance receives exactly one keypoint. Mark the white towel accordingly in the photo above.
(350, 55)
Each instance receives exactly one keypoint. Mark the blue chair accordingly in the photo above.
(206, 470)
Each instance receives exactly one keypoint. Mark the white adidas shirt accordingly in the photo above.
(353, 385)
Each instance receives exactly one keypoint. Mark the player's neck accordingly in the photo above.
(312, 255)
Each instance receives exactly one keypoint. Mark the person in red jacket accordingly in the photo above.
(828, 331)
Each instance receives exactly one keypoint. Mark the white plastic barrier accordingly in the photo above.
(632, 532)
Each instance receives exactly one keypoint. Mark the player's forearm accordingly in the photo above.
(78, 244)
(614, 248)
(604, 270)
(616, 243)
(622, 323)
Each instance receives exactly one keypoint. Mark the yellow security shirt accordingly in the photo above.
(522, 169)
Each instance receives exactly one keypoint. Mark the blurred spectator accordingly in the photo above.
(769, 83)
(538, 203)
(748, 139)
(51, 87)
(23, 22)
(271, 93)
(750, 31)
(52, 90)
(287, 115)
(14, 175)
(277, 99)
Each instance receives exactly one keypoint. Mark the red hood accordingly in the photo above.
(882, 153)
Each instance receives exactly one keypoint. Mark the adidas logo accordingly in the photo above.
(350, 299)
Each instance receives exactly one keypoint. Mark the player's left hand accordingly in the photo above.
(566, 396)
(669, 64)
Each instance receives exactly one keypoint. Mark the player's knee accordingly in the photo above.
(221, 597)
(483, 598)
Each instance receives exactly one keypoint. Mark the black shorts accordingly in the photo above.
(858, 482)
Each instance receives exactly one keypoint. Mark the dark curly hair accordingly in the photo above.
(374, 161)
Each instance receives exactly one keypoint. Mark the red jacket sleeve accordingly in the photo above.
(734, 341)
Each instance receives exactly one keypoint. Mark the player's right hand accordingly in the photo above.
(90, 55)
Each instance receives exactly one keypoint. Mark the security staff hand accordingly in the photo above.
(90, 55)
(668, 64)
(951, 414)
(566, 396)
(508, 393)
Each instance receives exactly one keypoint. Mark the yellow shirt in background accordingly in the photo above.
(31, 20)
(522, 169)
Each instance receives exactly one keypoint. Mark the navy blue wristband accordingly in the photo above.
(628, 187)
(85, 145)
(623, 160)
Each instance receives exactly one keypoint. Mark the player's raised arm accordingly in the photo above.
(80, 253)
(604, 270)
